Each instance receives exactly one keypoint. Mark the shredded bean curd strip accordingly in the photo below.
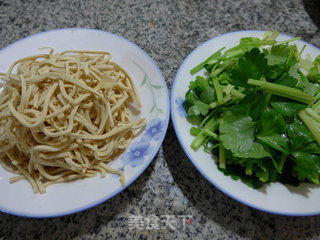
(64, 116)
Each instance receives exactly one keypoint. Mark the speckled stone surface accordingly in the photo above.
(168, 31)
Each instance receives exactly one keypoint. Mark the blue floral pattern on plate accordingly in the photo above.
(136, 154)
(153, 130)
(138, 150)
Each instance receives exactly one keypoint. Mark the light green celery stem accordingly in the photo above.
(212, 147)
(222, 156)
(274, 35)
(211, 134)
(282, 161)
(223, 66)
(198, 141)
(313, 114)
(219, 70)
(240, 49)
(303, 48)
(218, 103)
(317, 97)
(283, 91)
(233, 92)
(202, 124)
(290, 40)
(265, 35)
(311, 124)
(201, 65)
(227, 89)
(217, 88)
(316, 107)
(234, 54)
(237, 93)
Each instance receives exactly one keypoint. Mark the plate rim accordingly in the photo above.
(151, 158)
(186, 149)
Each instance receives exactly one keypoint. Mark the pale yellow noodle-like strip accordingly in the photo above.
(17, 178)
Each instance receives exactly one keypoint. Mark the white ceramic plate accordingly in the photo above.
(68, 198)
(274, 198)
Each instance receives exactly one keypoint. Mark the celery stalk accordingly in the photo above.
(283, 91)
(201, 65)
(311, 124)
(222, 156)
(198, 141)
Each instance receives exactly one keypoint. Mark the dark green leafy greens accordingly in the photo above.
(257, 108)
(273, 131)
(237, 134)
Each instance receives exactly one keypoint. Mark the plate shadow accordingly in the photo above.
(312, 7)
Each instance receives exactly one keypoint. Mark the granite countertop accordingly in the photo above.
(168, 31)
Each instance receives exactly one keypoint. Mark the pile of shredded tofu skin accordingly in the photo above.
(64, 116)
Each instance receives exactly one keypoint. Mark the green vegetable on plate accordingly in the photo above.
(257, 108)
